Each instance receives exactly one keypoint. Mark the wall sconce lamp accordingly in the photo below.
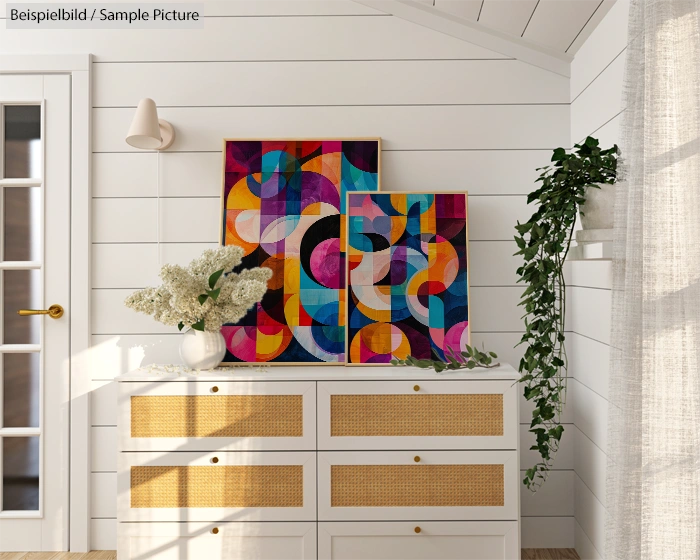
(147, 131)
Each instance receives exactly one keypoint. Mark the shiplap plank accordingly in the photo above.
(606, 42)
(565, 456)
(589, 362)
(134, 175)
(255, 39)
(401, 128)
(590, 514)
(584, 546)
(138, 175)
(589, 312)
(555, 497)
(190, 220)
(112, 355)
(547, 532)
(110, 316)
(556, 24)
(196, 220)
(590, 464)
(103, 443)
(103, 534)
(124, 220)
(103, 499)
(471, 171)
(466, 9)
(493, 263)
(198, 174)
(599, 103)
(218, 84)
(510, 16)
(125, 175)
(590, 413)
(103, 403)
(495, 309)
(108, 259)
(111, 268)
(589, 274)
(493, 218)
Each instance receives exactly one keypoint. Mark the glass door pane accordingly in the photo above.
(21, 287)
(20, 473)
(22, 141)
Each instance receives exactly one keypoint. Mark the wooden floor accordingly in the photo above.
(549, 554)
(528, 554)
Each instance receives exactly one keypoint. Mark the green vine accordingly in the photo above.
(544, 242)
(469, 358)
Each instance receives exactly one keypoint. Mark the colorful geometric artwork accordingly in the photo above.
(284, 204)
(407, 275)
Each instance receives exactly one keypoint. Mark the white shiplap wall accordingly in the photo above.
(452, 116)
(596, 109)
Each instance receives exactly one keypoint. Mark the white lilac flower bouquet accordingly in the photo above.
(205, 294)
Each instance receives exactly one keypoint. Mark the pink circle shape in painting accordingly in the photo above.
(325, 263)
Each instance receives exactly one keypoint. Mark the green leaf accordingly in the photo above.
(201, 299)
(214, 294)
(394, 362)
(180, 326)
(493, 354)
(214, 278)
(199, 325)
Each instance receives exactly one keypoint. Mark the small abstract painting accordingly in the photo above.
(284, 204)
(407, 275)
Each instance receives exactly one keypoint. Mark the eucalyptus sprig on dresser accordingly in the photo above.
(544, 242)
(469, 358)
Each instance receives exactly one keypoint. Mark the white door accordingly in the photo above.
(35, 155)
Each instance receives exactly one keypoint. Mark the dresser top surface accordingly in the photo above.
(315, 373)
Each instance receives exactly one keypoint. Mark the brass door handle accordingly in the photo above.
(55, 311)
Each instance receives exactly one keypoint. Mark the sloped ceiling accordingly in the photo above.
(545, 33)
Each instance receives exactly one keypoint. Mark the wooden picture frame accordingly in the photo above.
(352, 332)
(242, 330)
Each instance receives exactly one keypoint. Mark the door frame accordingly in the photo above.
(79, 68)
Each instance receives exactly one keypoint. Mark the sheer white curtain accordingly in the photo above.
(653, 483)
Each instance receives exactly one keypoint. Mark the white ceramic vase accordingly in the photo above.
(599, 209)
(202, 350)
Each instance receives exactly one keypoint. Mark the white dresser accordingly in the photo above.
(320, 462)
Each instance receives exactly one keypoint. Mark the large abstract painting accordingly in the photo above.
(284, 203)
(407, 275)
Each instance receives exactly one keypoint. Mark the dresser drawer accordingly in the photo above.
(476, 540)
(417, 415)
(420, 485)
(207, 416)
(199, 486)
(223, 541)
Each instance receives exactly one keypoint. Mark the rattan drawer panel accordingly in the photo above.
(235, 416)
(417, 485)
(230, 486)
(416, 415)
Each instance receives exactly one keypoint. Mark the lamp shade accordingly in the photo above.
(147, 132)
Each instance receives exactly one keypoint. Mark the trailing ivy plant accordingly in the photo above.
(469, 358)
(544, 242)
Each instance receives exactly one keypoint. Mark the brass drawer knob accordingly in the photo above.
(416, 388)
(416, 459)
(417, 529)
(214, 460)
(215, 531)
(214, 389)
